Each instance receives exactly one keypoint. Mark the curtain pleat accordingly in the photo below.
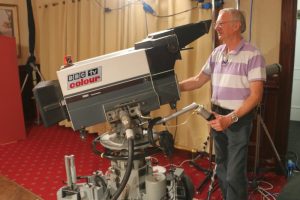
(82, 29)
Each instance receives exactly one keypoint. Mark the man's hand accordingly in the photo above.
(221, 122)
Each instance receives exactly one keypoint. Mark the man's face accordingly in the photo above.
(225, 26)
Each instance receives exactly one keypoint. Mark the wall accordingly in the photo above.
(265, 32)
(295, 105)
(12, 124)
(265, 23)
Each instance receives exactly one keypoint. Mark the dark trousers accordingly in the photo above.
(231, 150)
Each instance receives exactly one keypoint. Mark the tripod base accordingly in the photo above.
(205, 181)
(31, 76)
(198, 167)
(261, 123)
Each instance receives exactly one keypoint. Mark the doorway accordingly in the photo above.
(294, 124)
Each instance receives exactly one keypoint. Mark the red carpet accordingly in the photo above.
(37, 163)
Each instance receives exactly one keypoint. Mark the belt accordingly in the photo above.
(224, 111)
(220, 110)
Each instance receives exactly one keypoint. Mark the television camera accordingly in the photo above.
(122, 88)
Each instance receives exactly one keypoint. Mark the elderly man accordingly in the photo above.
(237, 73)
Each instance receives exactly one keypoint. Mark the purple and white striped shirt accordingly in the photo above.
(232, 73)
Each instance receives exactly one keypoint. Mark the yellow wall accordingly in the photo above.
(265, 26)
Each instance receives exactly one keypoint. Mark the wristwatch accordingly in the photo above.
(234, 117)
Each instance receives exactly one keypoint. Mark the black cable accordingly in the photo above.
(107, 9)
(151, 123)
(172, 15)
(128, 169)
(166, 142)
(95, 150)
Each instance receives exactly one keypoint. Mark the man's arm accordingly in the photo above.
(194, 82)
(256, 92)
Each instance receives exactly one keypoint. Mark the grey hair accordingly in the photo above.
(236, 15)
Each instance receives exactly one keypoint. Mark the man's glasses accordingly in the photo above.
(221, 23)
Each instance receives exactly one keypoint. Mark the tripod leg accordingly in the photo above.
(211, 143)
(36, 69)
(212, 181)
(209, 171)
(196, 165)
(257, 150)
(272, 143)
(24, 83)
(202, 184)
(40, 74)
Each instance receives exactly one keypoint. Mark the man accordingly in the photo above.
(237, 73)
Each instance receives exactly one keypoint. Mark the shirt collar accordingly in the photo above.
(236, 50)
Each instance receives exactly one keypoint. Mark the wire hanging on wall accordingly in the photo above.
(148, 8)
(108, 9)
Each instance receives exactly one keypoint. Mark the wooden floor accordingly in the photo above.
(10, 190)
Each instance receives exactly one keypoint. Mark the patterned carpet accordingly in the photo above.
(37, 163)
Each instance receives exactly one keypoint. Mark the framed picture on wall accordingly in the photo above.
(9, 23)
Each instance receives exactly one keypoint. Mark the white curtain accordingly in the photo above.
(82, 29)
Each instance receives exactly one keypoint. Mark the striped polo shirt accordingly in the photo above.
(232, 73)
